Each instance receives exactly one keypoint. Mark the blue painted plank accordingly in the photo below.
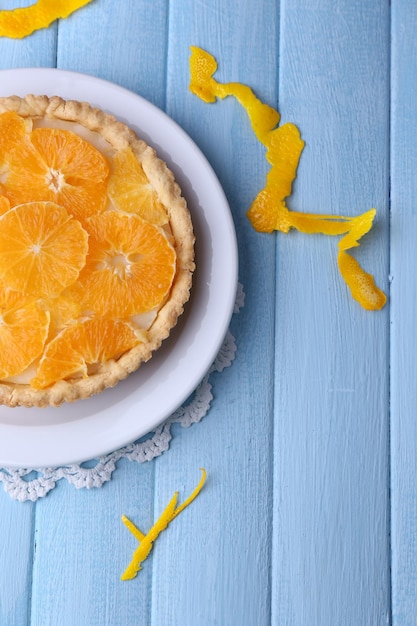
(38, 50)
(213, 565)
(124, 42)
(82, 549)
(16, 557)
(331, 438)
(403, 304)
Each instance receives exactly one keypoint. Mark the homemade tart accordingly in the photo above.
(96, 251)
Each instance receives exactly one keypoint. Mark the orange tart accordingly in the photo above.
(96, 251)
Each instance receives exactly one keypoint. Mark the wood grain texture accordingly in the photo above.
(38, 50)
(124, 42)
(403, 306)
(82, 549)
(331, 476)
(17, 545)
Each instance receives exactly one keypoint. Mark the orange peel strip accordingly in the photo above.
(21, 22)
(361, 284)
(284, 146)
(146, 541)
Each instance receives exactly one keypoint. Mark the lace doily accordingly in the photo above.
(33, 483)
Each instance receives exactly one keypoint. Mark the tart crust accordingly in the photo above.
(119, 136)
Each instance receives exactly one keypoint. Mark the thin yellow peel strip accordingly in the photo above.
(284, 146)
(146, 541)
(21, 22)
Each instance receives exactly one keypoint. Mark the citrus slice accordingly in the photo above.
(130, 265)
(4, 205)
(65, 308)
(130, 189)
(57, 165)
(12, 130)
(42, 248)
(84, 344)
(23, 331)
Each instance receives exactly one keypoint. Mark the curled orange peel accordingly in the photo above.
(146, 541)
(284, 146)
(21, 22)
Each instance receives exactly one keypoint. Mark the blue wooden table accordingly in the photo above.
(309, 513)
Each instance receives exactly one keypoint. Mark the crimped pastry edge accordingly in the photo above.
(120, 136)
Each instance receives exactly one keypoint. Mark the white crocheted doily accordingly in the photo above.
(33, 483)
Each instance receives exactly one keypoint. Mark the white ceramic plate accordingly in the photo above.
(77, 432)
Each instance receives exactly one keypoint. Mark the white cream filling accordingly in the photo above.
(91, 136)
(24, 377)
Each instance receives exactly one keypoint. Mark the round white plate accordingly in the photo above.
(77, 432)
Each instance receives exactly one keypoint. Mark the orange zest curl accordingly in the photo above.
(21, 22)
(284, 146)
(146, 541)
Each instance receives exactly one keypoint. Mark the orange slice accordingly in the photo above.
(130, 265)
(23, 331)
(65, 308)
(12, 130)
(59, 166)
(84, 344)
(130, 190)
(4, 205)
(42, 248)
